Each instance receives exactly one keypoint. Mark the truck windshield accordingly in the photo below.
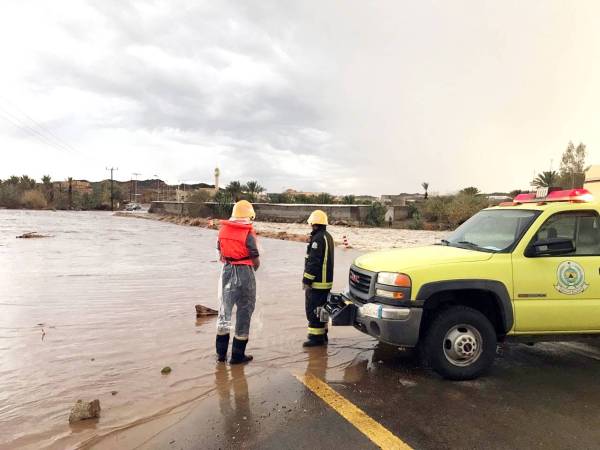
(494, 230)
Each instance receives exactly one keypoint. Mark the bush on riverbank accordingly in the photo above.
(33, 199)
(447, 212)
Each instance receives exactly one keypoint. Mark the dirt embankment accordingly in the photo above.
(213, 224)
(350, 237)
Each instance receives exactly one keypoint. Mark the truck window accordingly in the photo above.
(583, 227)
(497, 230)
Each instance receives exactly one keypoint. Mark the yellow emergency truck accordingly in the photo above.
(526, 270)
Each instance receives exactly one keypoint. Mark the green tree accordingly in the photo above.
(48, 188)
(464, 206)
(304, 199)
(254, 189)
(280, 198)
(376, 215)
(425, 186)
(348, 199)
(13, 181)
(235, 190)
(324, 199)
(26, 183)
(9, 195)
(223, 205)
(105, 194)
(471, 190)
(572, 166)
(437, 209)
(546, 179)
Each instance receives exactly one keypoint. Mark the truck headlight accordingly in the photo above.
(389, 294)
(394, 279)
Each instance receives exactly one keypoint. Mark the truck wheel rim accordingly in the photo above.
(462, 345)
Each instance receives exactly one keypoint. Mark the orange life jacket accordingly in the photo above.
(232, 242)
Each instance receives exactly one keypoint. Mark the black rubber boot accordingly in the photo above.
(238, 352)
(315, 341)
(222, 344)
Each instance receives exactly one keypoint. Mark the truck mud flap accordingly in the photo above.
(341, 311)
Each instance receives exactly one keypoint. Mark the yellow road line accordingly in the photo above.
(376, 432)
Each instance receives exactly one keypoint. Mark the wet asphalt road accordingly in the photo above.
(546, 396)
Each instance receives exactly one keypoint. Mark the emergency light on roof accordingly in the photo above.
(543, 196)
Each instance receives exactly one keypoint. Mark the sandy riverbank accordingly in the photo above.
(367, 239)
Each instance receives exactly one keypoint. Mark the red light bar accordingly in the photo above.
(524, 198)
(569, 195)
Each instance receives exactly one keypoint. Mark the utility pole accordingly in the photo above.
(112, 192)
(70, 193)
(157, 188)
(135, 187)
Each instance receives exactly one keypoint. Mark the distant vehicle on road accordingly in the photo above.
(526, 270)
(133, 206)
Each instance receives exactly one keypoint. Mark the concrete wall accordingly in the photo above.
(278, 212)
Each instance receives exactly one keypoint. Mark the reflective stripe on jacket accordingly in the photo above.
(318, 267)
(232, 242)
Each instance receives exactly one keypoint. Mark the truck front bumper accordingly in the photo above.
(390, 324)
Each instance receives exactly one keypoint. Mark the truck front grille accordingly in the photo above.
(360, 281)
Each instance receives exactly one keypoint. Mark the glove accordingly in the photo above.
(305, 287)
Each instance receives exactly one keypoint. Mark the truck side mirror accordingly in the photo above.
(550, 247)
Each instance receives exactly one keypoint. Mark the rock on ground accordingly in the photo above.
(202, 311)
(84, 410)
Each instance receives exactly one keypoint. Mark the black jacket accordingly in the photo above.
(318, 266)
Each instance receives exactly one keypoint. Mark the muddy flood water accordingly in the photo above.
(99, 307)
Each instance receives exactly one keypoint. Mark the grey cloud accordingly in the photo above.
(192, 98)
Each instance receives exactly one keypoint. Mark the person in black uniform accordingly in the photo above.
(318, 277)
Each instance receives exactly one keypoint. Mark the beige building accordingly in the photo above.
(81, 186)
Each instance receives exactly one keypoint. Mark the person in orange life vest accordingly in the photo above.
(239, 254)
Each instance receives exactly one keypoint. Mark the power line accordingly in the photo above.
(39, 125)
(31, 131)
(34, 126)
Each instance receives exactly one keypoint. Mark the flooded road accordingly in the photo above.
(106, 302)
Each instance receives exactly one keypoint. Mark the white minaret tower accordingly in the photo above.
(217, 173)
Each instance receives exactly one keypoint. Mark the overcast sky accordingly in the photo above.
(338, 96)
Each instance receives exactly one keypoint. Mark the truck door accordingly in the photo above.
(560, 293)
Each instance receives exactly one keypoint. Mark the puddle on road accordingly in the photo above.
(116, 299)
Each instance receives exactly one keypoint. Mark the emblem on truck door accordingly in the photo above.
(571, 278)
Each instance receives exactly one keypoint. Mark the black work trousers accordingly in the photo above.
(314, 299)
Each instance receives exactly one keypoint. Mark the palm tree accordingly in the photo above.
(425, 186)
(348, 199)
(546, 179)
(234, 189)
(253, 189)
(324, 199)
(48, 191)
(26, 183)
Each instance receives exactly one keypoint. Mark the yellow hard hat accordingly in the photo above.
(243, 210)
(318, 217)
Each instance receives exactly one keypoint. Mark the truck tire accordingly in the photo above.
(460, 343)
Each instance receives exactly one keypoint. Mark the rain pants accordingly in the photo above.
(238, 288)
